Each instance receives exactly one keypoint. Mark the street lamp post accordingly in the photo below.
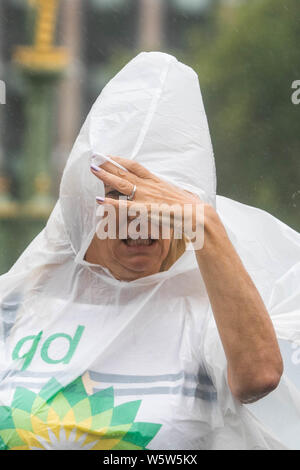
(42, 65)
(70, 88)
(151, 28)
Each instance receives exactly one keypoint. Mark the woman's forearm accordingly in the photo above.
(246, 331)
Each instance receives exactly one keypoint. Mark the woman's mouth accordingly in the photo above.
(139, 242)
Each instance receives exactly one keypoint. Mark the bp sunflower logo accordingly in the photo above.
(60, 418)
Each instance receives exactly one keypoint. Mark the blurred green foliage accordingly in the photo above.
(247, 58)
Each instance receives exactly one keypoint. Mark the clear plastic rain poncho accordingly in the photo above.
(91, 362)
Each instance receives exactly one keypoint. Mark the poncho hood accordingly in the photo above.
(151, 111)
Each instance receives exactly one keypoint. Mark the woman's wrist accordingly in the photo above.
(207, 226)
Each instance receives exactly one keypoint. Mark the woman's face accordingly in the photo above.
(128, 259)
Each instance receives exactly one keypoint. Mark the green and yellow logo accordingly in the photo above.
(60, 418)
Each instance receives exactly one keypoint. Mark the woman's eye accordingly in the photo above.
(114, 194)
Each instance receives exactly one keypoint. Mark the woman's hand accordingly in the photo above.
(150, 190)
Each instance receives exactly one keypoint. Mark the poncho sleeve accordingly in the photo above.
(270, 251)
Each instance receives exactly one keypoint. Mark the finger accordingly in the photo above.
(120, 184)
(132, 208)
(114, 170)
(133, 166)
(123, 203)
(114, 202)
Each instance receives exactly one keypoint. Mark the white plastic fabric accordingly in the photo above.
(91, 362)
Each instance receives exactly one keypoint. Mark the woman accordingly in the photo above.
(113, 342)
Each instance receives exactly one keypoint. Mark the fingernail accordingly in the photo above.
(100, 199)
(95, 168)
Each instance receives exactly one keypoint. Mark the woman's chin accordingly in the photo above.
(140, 257)
(142, 265)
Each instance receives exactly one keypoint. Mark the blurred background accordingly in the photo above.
(57, 55)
